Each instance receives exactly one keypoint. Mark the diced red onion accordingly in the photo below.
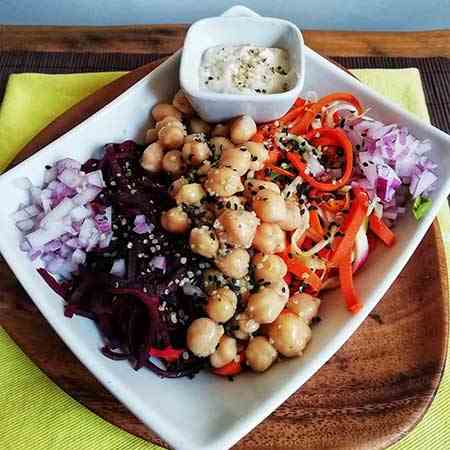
(59, 212)
(50, 174)
(41, 236)
(25, 246)
(87, 195)
(67, 163)
(53, 246)
(25, 225)
(422, 182)
(79, 213)
(70, 177)
(141, 226)
(96, 179)
(159, 262)
(35, 255)
(74, 243)
(118, 268)
(32, 210)
(78, 256)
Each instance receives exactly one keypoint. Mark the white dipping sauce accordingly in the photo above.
(246, 69)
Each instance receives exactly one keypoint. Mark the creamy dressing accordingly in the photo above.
(246, 69)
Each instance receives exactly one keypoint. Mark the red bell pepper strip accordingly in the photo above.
(314, 223)
(343, 142)
(381, 230)
(169, 354)
(346, 281)
(258, 137)
(351, 226)
(279, 170)
(232, 368)
(274, 155)
(292, 114)
(301, 271)
(303, 126)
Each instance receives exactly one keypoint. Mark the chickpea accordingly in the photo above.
(191, 194)
(221, 130)
(269, 268)
(173, 162)
(269, 206)
(169, 121)
(289, 334)
(253, 186)
(235, 263)
(225, 353)
(247, 325)
(221, 305)
(162, 110)
(204, 168)
(281, 288)
(270, 238)
(260, 354)
(176, 186)
(237, 159)
(195, 137)
(259, 155)
(181, 102)
(152, 157)
(195, 153)
(151, 135)
(219, 144)
(304, 305)
(203, 336)
(233, 203)
(204, 242)
(244, 287)
(239, 227)
(171, 137)
(175, 220)
(197, 125)
(213, 279)
(223, 182)
(293, 219)
(265, 306)
(242, 129)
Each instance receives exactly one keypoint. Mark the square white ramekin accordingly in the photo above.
(244, 30)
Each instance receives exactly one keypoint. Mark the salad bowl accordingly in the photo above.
(209, 412)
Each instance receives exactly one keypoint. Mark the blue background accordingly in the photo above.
(309, 14)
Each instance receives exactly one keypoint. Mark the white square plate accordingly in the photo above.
(209, 412)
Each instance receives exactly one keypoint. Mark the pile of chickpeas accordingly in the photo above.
(242, 231)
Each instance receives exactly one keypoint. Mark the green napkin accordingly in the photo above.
(53, 420)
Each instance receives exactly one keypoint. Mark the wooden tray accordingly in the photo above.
(369, 395)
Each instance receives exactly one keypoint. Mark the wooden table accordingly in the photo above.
(166, 39)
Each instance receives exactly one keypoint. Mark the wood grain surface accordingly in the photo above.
(168, 38)
(370, 394)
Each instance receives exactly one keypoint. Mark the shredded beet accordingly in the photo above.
(146, 307)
